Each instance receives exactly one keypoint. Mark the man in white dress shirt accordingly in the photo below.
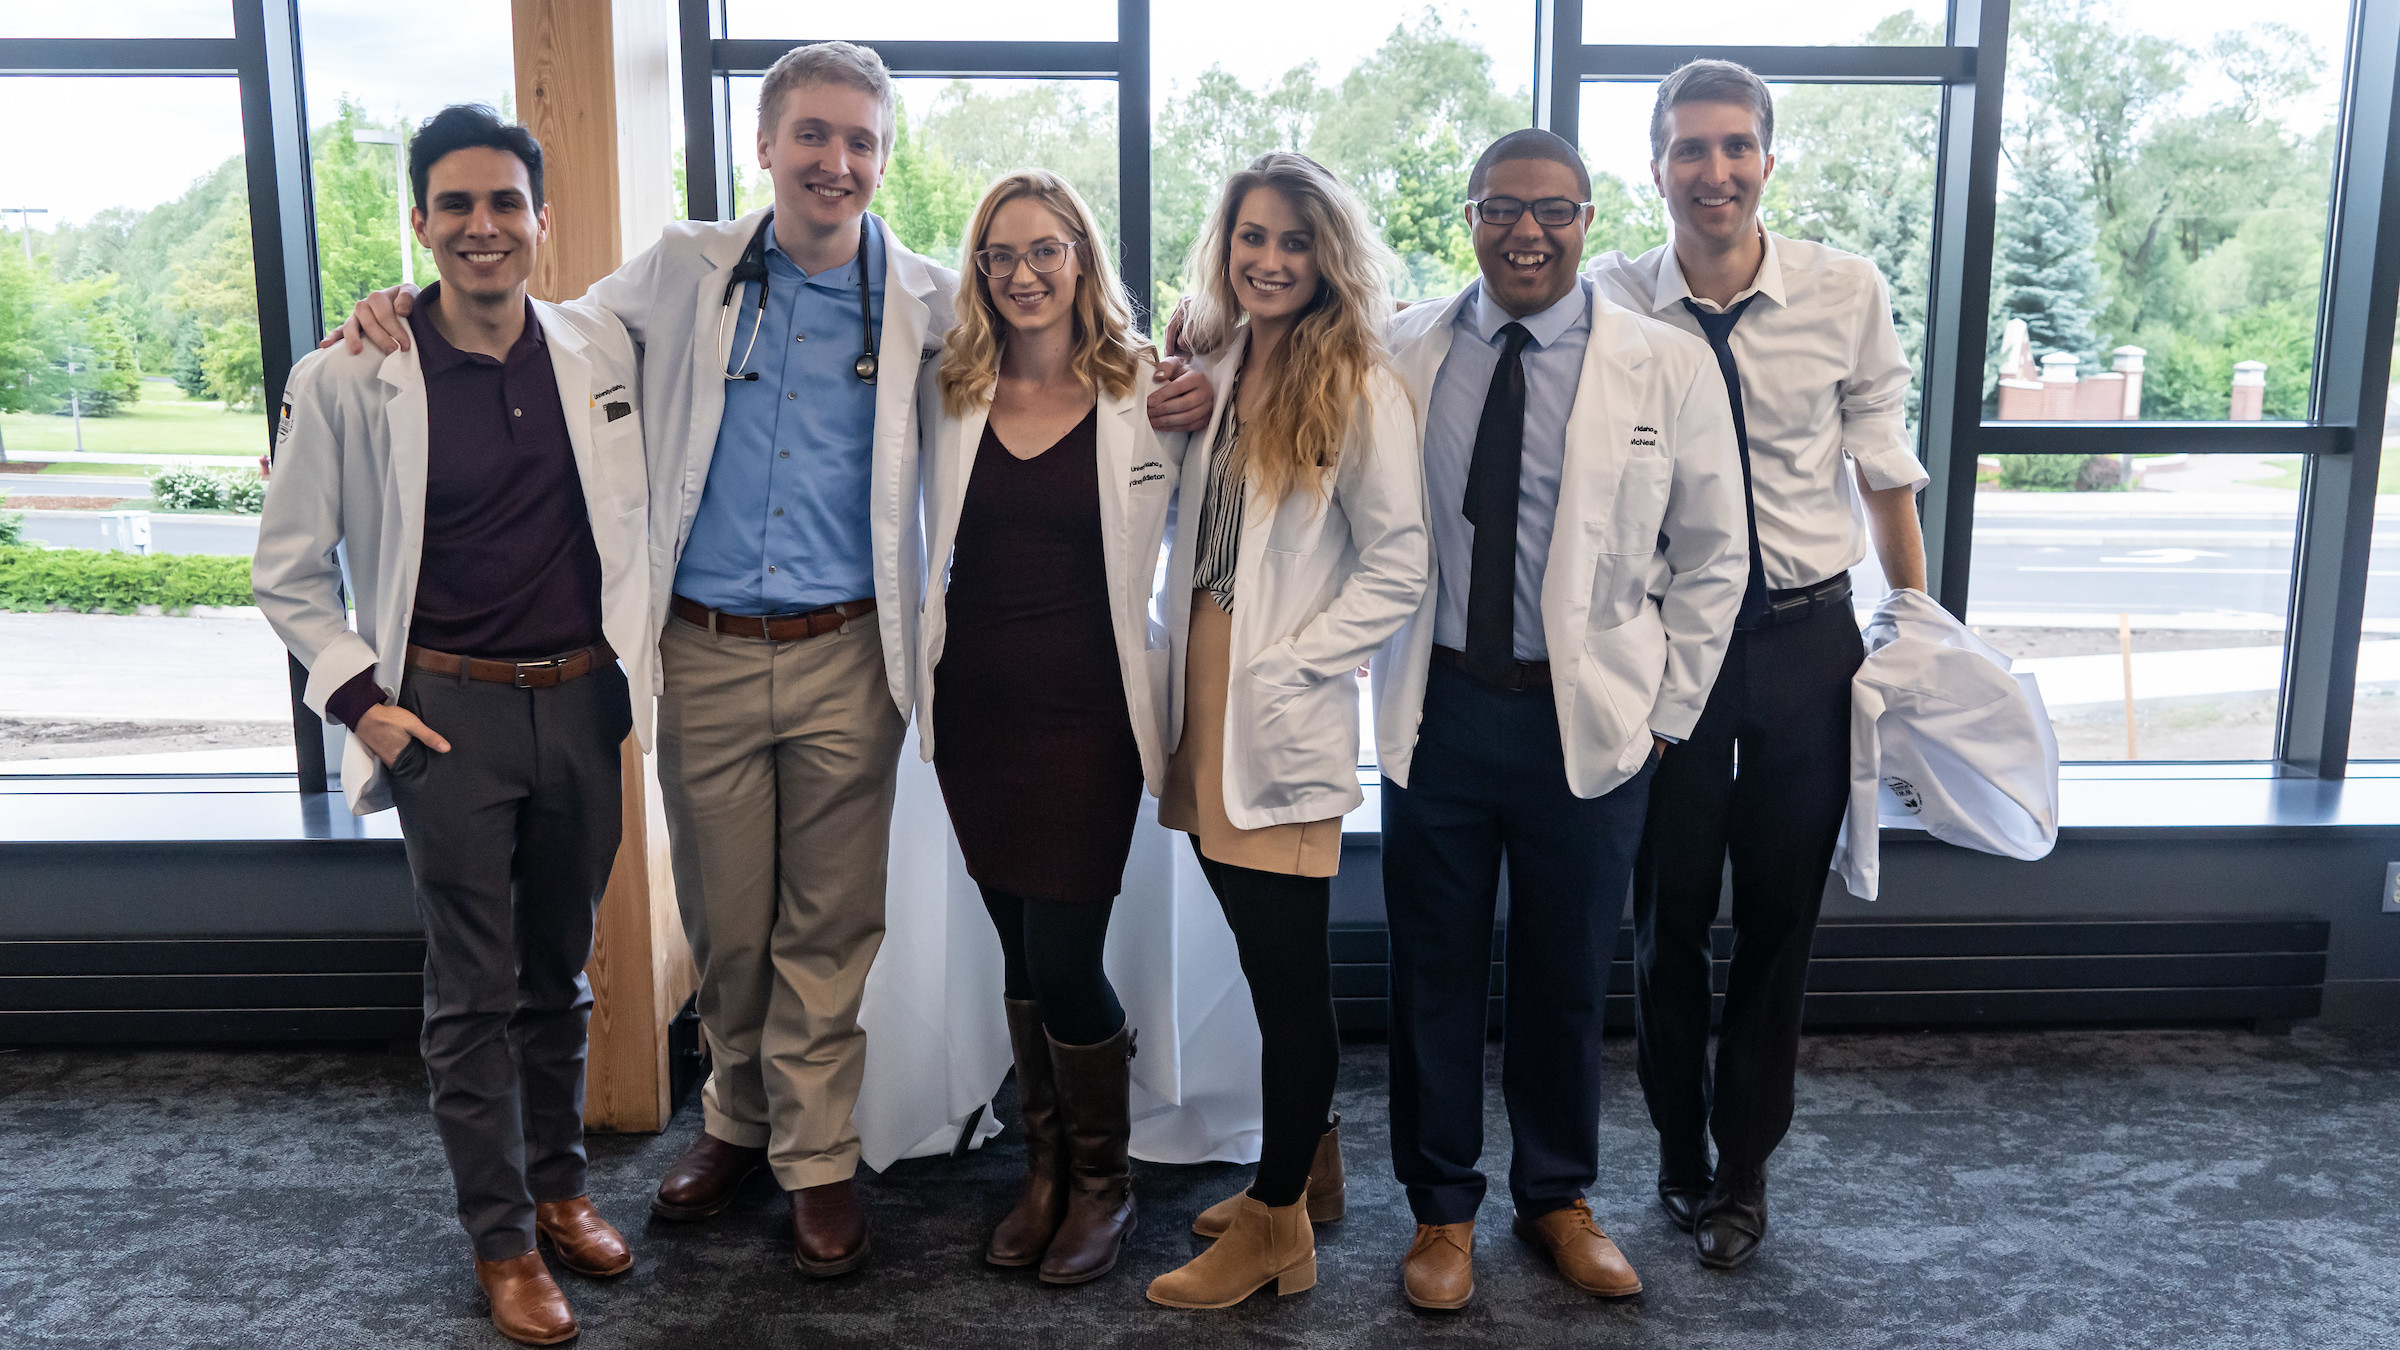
(1804, 338)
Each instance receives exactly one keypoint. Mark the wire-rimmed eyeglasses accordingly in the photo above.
(1046, 255)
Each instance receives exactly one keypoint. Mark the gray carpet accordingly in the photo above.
(2162, 1188)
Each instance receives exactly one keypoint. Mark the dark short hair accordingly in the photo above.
(467, 126)
(1712, 82)
(1531, 143)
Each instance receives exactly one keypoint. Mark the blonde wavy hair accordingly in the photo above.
(1323, 368)
(1108, 353)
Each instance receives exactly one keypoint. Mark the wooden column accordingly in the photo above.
(594, 80)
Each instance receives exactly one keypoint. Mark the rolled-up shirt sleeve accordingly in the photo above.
(1875, 397)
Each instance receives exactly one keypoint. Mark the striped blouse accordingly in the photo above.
(1221, 510)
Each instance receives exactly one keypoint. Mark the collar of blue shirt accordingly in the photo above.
(1485, 318)
(842, 278)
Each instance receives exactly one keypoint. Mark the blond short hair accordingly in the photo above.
(1108, 353)
(835, 62)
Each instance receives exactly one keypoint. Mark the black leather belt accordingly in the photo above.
(1522, 675)
(1803, 602)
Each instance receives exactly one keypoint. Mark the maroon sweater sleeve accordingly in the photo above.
(350, 702)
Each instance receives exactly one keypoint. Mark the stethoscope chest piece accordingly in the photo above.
(865, 366)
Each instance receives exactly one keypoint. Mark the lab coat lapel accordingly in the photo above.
(716, 322)
(404, 420)
(573, 370)
(1606, 391)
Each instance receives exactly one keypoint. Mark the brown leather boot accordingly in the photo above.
(586, 1243)
(829, 1229)
(1262, 1246)
(1581, 1251)
(704, 1180)
(1092, 1083)
(1439, 1270)
(1326, 1196)
(527, 1306)
(1025, 1234)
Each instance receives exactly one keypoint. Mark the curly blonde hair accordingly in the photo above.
(1108, 353)
(1323, 368)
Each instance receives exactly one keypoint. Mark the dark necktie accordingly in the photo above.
(1718, 329)
(1491, 506)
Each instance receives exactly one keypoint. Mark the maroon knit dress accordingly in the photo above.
(1031, 738)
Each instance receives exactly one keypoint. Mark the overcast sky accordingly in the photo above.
(138, 142)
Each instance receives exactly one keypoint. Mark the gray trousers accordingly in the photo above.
(510, 837)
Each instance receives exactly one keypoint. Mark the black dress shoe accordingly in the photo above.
(1732, 1221)
(1684, 1177)
(1682, 1203)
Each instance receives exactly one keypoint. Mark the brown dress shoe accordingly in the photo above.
(1581, 1251)
(829, 1229)
(1439, 1270)
(704, 1179)
(1327, 1197)
(586, 1243)
(527, 1306)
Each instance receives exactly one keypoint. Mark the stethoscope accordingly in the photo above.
(753, 268)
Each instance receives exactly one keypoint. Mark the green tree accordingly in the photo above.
(2042, 266)
(218, 291)
(24, 295)
(357, 193)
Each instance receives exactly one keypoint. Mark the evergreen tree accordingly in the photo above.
(2042, 267)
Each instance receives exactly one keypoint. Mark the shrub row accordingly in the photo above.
(185, 488)
(90, 581)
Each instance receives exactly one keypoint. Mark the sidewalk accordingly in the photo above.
(2071, 681)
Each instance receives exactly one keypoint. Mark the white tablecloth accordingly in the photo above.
(937, 1038)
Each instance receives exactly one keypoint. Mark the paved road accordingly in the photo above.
(169, 533)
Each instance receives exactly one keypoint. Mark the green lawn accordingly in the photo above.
(164, 422)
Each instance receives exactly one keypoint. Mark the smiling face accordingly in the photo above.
(1029, 301)
(1273, 259)
(1714, 171)
(825, 153)
(1528, 266)
(480, 223)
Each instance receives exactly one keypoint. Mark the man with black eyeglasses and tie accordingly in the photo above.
(1585, 504)
(1812, 369)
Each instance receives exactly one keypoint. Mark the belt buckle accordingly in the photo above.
(552, 663)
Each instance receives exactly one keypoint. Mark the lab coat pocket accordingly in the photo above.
(1300, 740)
(1299, 522)
(617, 446)
(1622, 669)
(1640, 506)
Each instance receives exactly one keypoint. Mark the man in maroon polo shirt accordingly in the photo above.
(494, 539)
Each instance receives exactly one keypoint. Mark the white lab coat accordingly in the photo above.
(1321, 580)
(1648, 560)
(350, 473)
(670, 299)
(1138, 470)
(1944, 738)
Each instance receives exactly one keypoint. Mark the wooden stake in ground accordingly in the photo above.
(2125, 650)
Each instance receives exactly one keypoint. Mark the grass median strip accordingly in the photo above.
(90, 581)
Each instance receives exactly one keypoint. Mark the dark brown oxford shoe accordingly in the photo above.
(586, 1243)
(704, 1180)
(829, 1229)
(1733, 1221)
(527, 1306)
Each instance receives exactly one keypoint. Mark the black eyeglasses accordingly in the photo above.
(1551, 211)
(1049, 255)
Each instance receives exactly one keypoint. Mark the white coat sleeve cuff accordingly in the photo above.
(342, 658)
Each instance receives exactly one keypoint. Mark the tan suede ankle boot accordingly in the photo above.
(1262, 1245)
(1326, 1192)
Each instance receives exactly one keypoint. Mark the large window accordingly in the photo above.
(1882, 23)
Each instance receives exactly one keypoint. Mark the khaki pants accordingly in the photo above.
(776, 764)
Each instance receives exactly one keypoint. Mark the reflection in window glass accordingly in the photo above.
(927, 20)
(131, 418)
(2172, 594)
(1854, 169)
(2165, 172)
(372, 74)
(2375, 714)
(1865, 23)
(954, 138)
(122, 19)
(1401, 98)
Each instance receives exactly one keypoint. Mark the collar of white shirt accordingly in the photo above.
(1486, 318)
(1671, 290)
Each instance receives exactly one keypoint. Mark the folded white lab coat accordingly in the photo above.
(1944, 738)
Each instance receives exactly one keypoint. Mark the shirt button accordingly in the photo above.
(793, 394)
(800, 337)
(779, 510)
(783, 454)
(518, 411)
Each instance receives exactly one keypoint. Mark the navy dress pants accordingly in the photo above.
(1488, 785)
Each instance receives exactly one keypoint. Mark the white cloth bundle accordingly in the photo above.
(1943, 738)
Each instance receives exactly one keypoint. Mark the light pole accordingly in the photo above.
(408, 253)
(25, 216)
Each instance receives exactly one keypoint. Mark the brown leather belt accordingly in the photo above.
(544, 674)
(1522, 675)
(772, 627)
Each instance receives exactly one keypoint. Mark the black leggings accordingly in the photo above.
(1278, 924)
(1050, 955)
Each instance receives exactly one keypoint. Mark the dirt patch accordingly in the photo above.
(23, 738)
(17, 503)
